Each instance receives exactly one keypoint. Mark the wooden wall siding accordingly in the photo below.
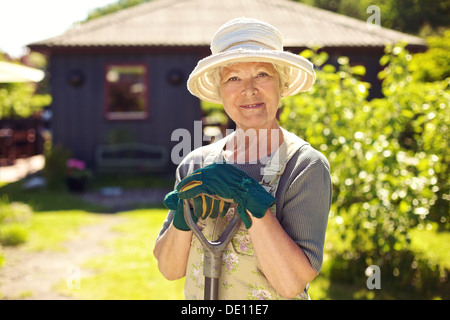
(78, 112)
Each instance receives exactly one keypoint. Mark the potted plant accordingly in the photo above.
(77, 175)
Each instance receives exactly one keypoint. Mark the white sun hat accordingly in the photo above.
(249, 40)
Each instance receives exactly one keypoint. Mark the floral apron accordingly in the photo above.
(241, 278)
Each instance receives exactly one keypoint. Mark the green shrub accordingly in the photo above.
(389, 163)
(55, 166)
(19, 100)
(14, 212)
(434, 64)
(13, 234)
(14, 219)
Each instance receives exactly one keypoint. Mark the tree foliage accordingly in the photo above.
(21, 100)
(405, 16)
(18, 100)
(434, 64)
(113, 7)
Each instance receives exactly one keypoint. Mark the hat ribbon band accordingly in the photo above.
(248, 42)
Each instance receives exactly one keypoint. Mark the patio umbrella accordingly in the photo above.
(11, 72)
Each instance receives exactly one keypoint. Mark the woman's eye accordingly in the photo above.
(262, 74)
(233, 79)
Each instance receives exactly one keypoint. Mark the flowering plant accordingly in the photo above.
(76, 169)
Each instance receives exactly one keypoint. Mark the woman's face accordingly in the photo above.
(250, 93)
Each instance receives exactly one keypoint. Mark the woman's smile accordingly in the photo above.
(252, 106)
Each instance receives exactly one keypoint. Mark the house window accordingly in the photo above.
(126, 92)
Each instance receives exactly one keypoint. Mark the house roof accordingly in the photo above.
(193, 23)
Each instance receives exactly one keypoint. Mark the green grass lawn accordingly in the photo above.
(131, 271)
(48, 230)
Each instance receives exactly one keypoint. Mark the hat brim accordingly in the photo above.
(301, 75)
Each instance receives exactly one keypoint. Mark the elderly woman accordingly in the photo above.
(281, 185)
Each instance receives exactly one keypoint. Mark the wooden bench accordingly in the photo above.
(135, 157)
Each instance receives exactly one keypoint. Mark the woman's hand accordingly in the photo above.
(228, 183)
(282, 261)
(204, 206)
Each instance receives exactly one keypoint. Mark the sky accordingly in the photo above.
(25, 21)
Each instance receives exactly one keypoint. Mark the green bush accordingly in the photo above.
(14, 219)
(13, 234)
(389, 165)
(434, 64)
(422, 117)
(19, 100)
(55, 166)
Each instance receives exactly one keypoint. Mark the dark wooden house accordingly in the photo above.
(119, 82)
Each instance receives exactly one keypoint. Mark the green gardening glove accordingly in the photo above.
(231, 184)
(204, 206)
(174, 203)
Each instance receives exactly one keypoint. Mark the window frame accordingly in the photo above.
(132, 115)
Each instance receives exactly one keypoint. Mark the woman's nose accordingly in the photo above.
(249, 87)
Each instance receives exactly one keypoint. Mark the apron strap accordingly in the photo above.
(277, 164)
(274, 167)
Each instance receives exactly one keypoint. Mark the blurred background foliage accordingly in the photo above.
(421, 17)
(415, 17)
(389, 162)
(23, 99)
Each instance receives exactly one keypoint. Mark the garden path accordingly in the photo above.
(35, 275)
